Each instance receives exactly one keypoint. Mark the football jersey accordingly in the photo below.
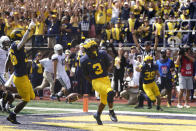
(19, 60)
(164, 68)
(3, 57)
(148, 73)
(60, 65)
(96, 67)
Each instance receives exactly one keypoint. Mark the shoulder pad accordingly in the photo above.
(55, 56)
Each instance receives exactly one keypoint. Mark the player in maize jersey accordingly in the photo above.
(95, 65)
(148, 73)
(17, 55)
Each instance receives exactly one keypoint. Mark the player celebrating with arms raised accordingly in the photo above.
(19, 60)
(95, 65)
(148, 73)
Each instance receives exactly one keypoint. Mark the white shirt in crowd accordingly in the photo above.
(115, 12)
(132, 83)
(3, 58)
(47, 64)
(136, 74)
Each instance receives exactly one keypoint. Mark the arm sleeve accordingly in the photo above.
(107, 59)
(54, 57)
(172, 65)
(23, 41)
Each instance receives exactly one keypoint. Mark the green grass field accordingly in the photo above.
(93, 106)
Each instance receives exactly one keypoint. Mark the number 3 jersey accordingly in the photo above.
(96, 67)
(148, 73)
(19, 60)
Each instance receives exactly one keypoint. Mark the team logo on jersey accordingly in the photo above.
(188, 66)
(164, 69)
(63, 61)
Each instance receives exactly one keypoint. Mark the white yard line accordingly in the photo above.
(118, 112)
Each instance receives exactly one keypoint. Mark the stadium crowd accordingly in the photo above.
(61, 21)
(74, 27)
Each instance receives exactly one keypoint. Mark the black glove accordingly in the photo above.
(181, 52)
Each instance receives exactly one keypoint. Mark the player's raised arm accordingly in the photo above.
(26, 36)
(156, 41)
(135, 39)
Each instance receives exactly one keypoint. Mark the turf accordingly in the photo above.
(93, 106)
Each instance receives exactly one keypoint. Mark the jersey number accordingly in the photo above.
(13, 58)
(149, 75)
(98, 68)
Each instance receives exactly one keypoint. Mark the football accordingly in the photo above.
(72, 97)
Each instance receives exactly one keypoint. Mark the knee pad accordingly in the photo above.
(110, 96)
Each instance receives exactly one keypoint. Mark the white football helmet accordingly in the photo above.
(57, 48)
(4, 39)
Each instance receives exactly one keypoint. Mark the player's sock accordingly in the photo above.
(113, 116)
(97, 118)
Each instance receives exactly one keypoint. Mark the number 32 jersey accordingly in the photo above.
(148, 73)
(96, 67)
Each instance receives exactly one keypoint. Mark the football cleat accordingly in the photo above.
(159, 108)
(53, 97)
(97, 118)
(179, 106)
(138, 107)
(186, 106)
(12, 118)
(113, 116)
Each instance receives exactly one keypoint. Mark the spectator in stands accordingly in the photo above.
(131, 25)
(2, 27)
(117, 33)
(115, 11)
(100, 18)
(53, 29)
(192, 15)
(185, 62)
(158, 28)
(125, 10)
(145, 31)
(84, 27)
(39, 30)
(66, 31)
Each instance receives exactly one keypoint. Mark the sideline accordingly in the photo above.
(118, 112)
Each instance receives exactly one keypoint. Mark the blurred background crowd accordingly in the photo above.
(113, 22)
(65, 21)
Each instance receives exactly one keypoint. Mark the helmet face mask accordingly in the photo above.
(148, 59)
(5, 42)
(91, 48)
(6, 45)
(58, 49)
(17, 34)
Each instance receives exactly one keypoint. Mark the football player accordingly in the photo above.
(19, 60)
(95, 65)
(59, 71)
(6, 98)
(4, 42)
(149, 71)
